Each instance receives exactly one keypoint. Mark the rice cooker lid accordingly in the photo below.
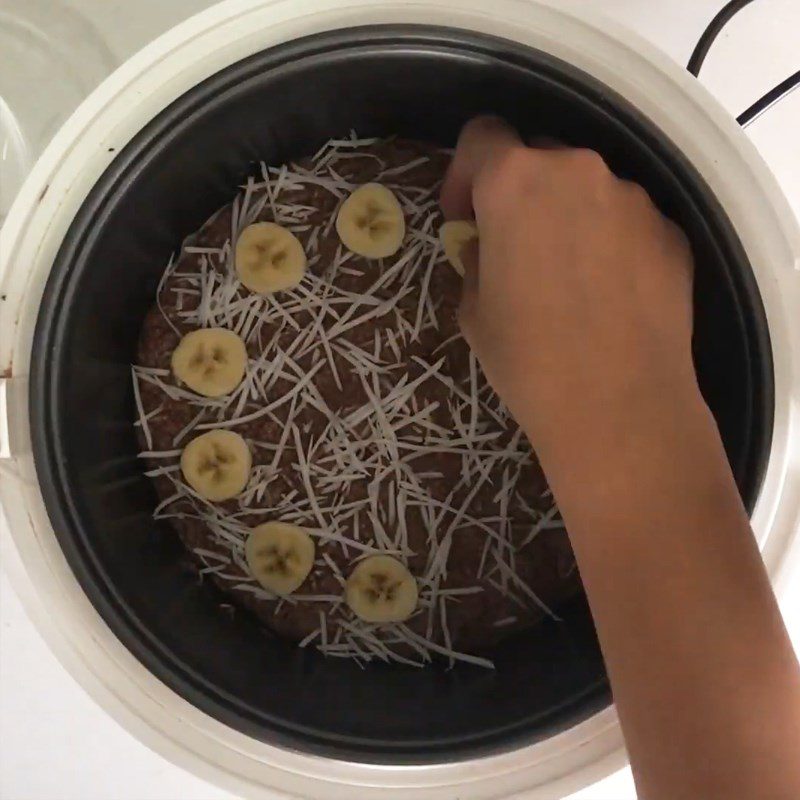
(83, 149)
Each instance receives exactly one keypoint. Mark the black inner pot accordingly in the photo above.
(279, 104)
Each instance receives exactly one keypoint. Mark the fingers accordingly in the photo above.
(469, 286)
(481, 143)
(469, 258)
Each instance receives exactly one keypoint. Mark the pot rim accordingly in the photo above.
(57, 187)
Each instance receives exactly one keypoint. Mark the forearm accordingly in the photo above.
(704, 677)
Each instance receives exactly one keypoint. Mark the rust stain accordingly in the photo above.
(7, 372)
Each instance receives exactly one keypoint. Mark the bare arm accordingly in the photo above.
(578, 306)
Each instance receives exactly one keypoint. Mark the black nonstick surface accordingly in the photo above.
(277, 105)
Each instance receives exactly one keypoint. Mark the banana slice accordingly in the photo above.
(280, 556)
(210, 361)
(371, 222)
(269, 258)
(381, 589)
(216, 464)
(454, 236)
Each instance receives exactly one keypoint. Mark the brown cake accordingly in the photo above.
(369, 422)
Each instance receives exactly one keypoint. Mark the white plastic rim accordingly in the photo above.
(53, 193)
(42, 38)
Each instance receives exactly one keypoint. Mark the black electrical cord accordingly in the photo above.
(769, 99)
(714, 28)
(711, 32)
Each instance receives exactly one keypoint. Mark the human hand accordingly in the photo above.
(578, 303)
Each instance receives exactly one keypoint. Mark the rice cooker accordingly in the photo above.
(142, 163)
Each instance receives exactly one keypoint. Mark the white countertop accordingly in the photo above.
(48, 724)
